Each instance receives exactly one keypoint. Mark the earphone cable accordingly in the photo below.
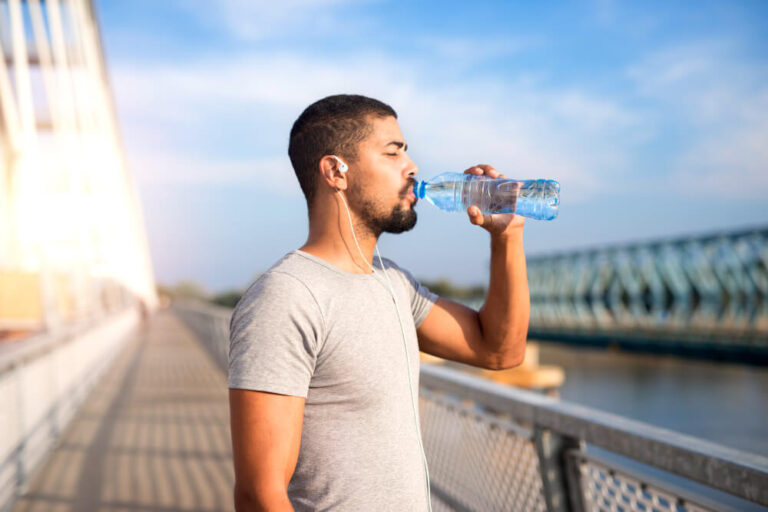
(405, 347)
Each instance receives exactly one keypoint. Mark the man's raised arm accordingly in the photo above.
(495, 336)
(266, 434)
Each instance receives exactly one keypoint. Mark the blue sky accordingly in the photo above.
(652, 115)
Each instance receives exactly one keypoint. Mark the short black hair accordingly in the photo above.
(334, 125)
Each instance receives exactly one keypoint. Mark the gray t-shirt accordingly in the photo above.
(306, 328)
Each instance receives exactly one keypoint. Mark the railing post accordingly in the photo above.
(556, 478)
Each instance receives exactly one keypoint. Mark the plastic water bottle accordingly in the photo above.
(455, 192)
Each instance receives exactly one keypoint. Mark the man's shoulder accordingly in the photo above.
(391, 266)
(276, 292)
(287, 275)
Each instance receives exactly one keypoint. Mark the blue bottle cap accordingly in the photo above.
(419, 189)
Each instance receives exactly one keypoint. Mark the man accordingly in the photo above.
(323, 369)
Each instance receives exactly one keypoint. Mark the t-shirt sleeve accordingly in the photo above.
(275, 333)
(422, 299)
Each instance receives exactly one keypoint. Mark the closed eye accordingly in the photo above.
(399, 145)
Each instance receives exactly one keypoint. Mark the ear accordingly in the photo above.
(333, 173)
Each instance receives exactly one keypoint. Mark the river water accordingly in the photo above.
(722, 402)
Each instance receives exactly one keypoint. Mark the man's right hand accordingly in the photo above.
(266, 434)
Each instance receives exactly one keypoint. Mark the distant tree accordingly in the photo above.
(445, 288)
(228, 299)
(163, 290)
(189, 290)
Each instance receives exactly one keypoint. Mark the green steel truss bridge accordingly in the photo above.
(703, 296)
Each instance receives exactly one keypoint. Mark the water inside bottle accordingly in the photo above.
(532, 198)
(491, 196)
(452, 192)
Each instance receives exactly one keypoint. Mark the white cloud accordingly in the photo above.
(473, 50)
(719, 101)
(527, 130)
(273, 172)
(605, 11)
(731, 163)
(524, 129)
(262, 19)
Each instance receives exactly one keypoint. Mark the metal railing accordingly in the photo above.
(211, 325)
(43, 382)
(492, 447)
(495, 448)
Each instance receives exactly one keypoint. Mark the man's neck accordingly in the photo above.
(330, 238)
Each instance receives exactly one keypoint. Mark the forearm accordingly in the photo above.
(262, 501)
(505, 314)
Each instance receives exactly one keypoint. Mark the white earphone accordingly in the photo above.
(343, 167)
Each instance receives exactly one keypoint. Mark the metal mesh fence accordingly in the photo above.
(482, 460)
(607, 490)
(211, 325)
(477, 460)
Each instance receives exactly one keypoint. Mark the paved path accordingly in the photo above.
(153, 435)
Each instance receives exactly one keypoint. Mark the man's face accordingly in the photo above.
(381, 179)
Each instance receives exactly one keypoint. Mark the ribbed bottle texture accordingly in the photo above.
(451, 191)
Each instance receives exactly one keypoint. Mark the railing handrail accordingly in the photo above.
(720, 468)
(40, 343)
(733, 471)
(209, 308)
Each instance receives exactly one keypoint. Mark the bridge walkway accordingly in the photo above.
(153, 436)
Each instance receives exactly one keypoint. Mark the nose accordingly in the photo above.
(412, 169)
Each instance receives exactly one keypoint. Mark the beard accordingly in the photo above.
(398, 220)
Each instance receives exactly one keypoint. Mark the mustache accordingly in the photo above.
(408, 187)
